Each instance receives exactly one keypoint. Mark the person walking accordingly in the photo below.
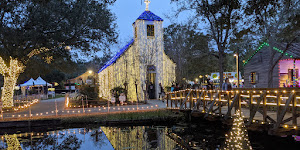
(161, 92)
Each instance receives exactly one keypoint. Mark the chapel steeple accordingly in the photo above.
(147, 24)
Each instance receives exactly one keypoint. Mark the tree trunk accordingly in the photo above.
(221, 68)
(8, 90)
(10, 75)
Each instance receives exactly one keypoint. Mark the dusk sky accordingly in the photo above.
(127, 11)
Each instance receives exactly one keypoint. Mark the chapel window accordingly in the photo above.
(253, 77)
(150, 30)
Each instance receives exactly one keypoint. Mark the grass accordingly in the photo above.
(157, 114)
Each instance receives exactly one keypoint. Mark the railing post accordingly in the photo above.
(265, 107)
(220, 103)
(204, 101)
(278, 105)
(168, 96)
(251, 101)
(228, 94)
(185, 95)
(181, 96)
(171, 97)
(191, 99)
(197, 99)
(294, 110)
(176, 99)
(238, 101)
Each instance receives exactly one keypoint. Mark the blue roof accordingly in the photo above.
(114, 59)
(148, 15)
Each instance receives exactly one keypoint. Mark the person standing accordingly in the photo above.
(161, 92)
(151, 91)
(226, 86)
(172, 87)
(177, 87)
(210, 85)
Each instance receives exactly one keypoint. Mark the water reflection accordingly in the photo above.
(139, 138)
(12, 142)
(108, 138)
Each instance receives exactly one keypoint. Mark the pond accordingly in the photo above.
(107, 138)
(199, 134)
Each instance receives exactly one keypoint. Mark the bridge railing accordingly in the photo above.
(262, 100)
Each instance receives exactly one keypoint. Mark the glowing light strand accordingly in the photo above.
(261, 46)
(12, 142)
(11, 74)
(238, 136)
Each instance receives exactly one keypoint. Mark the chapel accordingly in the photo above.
(140, 63)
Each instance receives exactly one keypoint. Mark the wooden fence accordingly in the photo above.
(283, 102)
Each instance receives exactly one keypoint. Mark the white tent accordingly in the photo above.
(42, 82)
(39, 82)
(30, 82)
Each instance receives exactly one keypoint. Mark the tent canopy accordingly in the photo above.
(39, 82)
(30, 82)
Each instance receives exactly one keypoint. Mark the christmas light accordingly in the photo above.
(261, 46)
(130, 65)
(12, 142)
(238, 136)
(11, 74)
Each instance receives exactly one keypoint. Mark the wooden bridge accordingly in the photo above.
(278, 107)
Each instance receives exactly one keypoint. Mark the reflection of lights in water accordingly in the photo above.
(12, 142)
(106, 137)
(297, 138)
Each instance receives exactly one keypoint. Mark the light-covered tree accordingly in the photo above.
(35, 33)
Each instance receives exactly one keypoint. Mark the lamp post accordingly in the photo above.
(237, 69)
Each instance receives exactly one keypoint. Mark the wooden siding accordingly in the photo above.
(260, 64)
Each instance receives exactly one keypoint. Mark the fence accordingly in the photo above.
(284, 102)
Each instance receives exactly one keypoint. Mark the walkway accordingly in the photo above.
(47, 108)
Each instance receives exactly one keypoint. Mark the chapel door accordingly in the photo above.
(151, 77)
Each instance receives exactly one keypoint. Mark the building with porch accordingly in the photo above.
(286, 70)
(141, 62)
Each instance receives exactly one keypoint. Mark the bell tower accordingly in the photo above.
(149, 43)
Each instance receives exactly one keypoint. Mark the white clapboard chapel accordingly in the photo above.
(141, 62)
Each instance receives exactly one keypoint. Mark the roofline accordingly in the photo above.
(117, 56)
(263, 45)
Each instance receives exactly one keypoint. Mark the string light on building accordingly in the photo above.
(140, 58)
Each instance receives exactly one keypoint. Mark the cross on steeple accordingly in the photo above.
(147, 2)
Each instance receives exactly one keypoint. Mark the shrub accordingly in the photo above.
(90, 91)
